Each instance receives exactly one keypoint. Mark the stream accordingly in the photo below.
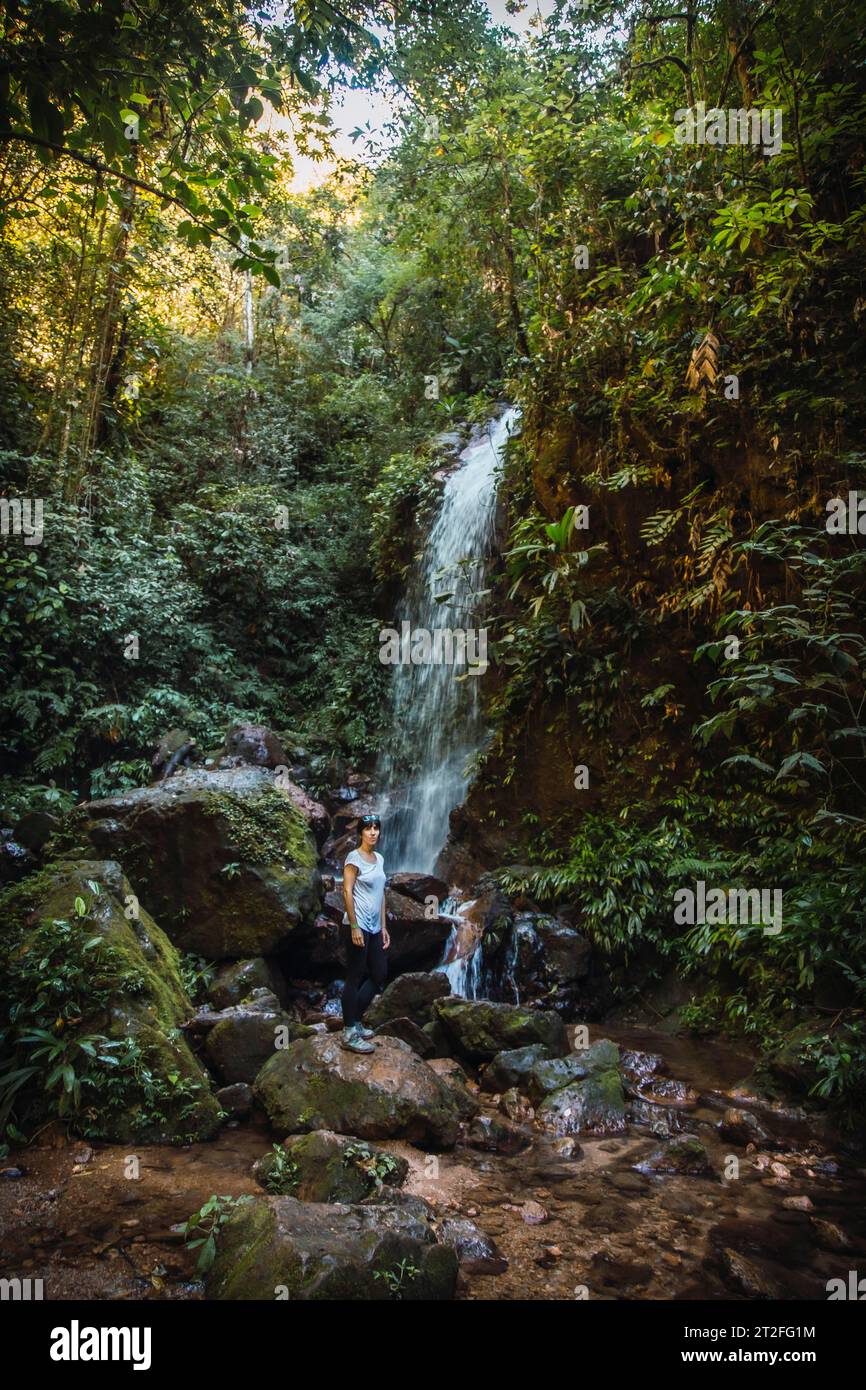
(568, 1220)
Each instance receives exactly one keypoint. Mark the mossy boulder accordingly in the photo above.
(328, 1167)
(549, 1074)
(595, 1105)
(280, 1248)
(388, 1093)
(106, 969)
(479, 1029)
(223, 859)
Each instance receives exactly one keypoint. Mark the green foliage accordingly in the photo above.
(201, 1231)
(397, 1277)
(796, 688)
(379, 1167)
(623, 873)
(283, 1173)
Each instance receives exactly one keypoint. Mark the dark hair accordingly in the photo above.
(364, 822)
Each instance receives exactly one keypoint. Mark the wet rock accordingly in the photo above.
(326, 1167)
(388, 1093)
(245, 1038)
(149, 1010)
(408, 996)
(235, 982)
(420, 887)
(407, 1032)
(619, 1273)
(236, 1100)
(516, 1106)
(741, 1127)
(566, 954)
(439, 1039)
(512, 1068)
(606, 1219)
(567, 1148)
(479, 1029)
(476, 1251)
(534, 1214)
(830, 1236)
(417, 941)
(281, 1247)
(595, 1105)
(253, 743)
(547, 1076)
(662, 1120)
(802, 1203)
(747, 1277)
(495, 1135)
(15, 860)
(641, 1067)
(450, 1070)
(35, 829)
(685, 1156)
(452, 1075)
(223, 859)
(627, 1181)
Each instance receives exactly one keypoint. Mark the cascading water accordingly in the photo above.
(436, 708)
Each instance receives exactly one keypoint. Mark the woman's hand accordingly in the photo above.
(357, 936)
(386, 940)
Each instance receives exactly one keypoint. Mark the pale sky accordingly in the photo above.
(356, 108)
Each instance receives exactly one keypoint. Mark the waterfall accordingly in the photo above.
(436, 706)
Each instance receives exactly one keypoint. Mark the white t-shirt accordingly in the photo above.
(368, 891)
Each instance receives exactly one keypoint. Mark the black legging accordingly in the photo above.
(365, 975)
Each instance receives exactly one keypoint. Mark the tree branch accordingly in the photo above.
(99, 168)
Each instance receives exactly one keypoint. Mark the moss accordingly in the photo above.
(265, 828)
(129, 989)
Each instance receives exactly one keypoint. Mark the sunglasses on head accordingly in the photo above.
(371, 820)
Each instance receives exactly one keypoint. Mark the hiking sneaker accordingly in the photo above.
(364, 1031)
(353, 1042)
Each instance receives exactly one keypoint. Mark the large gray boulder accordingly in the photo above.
(247, 1035)
(595, 1105)
(276, 1248)
(550, 1074)
(480, 1029)
(223, 859)
(384, 1094)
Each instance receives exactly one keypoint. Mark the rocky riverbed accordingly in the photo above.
(632, 1215)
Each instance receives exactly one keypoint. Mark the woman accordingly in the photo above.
(364, 896)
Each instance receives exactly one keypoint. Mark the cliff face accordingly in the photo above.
(598, 712)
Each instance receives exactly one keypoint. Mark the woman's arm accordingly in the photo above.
(386, 940)
(350, 873)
